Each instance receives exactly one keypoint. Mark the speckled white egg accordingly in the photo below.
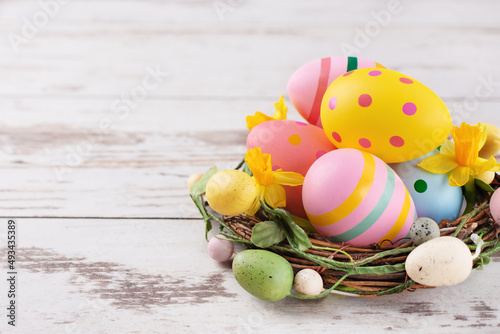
(440, 262)
(423, 229)
(308, 282)
(220, 249)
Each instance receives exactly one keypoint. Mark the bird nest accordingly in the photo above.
(363, 271)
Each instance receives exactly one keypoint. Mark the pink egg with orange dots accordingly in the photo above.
(294, 147)
(352, 196)
(386, 113)
(308, 83)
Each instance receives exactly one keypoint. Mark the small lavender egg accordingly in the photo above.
(423, 229)
(495, 206)
(220, 250)
(308, 282)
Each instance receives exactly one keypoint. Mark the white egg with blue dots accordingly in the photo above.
(432, 194)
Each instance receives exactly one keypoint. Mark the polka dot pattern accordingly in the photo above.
(347, 73)
(365, 143)
(332, 103)
(294, 140)
(396, 141)
(409, 108)
(301, 123)
(420, 186)
(359, 112)
(365, 100)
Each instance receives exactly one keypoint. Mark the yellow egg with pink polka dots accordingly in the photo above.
(294, 147)
(385, 113)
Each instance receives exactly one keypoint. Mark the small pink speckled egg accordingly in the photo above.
(495, 206)
(294, 147)
(354, 197)
(308, 83)
(220, 249)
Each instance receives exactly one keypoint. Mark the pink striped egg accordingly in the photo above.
(354, 197)
(308, 83)
(293, 147)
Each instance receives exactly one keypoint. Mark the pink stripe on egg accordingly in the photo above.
(314, 114)
(363, 62)
(330, 197)
(388, 218)
(337, 68)
(368, 203)
(302, 87)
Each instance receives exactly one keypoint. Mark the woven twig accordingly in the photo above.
(378, 271)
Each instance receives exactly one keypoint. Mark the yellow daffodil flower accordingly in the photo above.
(269, 182)
(280, 113)
(460, 158)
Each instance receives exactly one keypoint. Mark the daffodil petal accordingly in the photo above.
(288, 178)
(253, 121)
(484, 135)
(275, 195)
(255, 207)
(483, 165)
(460, 176)
(281, 109)
(438, 164)
(448, 148)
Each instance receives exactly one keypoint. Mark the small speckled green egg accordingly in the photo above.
(264, 274)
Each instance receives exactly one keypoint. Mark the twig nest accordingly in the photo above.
(440, 262)
(220, 249)
(423, 229)
(308, 282)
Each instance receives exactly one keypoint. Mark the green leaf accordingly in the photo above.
(484, 186)
(200, 186)
(267, 233)
(199, 204)
(295, 235)
(247, 170)
(470, 193)
(304, 224)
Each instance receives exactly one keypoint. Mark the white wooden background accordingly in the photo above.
(95, 152)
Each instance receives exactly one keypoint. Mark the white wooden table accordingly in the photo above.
(106, 107)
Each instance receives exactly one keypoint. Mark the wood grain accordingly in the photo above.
(88, 134)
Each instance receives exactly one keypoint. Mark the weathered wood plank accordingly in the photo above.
(139, 276)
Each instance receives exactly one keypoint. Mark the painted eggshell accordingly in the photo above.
(354, 197)
(308, 83)
(441, 261)
(385, 113)
(495, 206)
(293, 147)
(433, 196)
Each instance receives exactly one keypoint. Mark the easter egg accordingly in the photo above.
(433, 196)
(385, 113)
(441, 261)
(293, 147)
(495, 206)
(308, 83)
(354, 197)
